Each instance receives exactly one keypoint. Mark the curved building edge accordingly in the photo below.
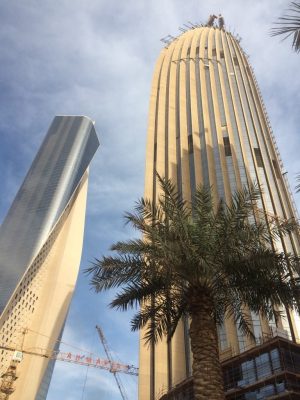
(35, 313)
(208, 125)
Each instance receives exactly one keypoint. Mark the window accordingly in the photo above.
(249, 373)
(258, 157)
(263, 365)
(277, 172)
(214, 52)
(222, 337)
(235, 60)
(227, 147)
(222, 53)
(275, 358)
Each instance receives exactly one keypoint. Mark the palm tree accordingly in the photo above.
(289, 25)
(202, 261)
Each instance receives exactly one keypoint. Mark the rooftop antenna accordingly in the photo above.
(189, 26)
(164, 40)
(211, 20)
(182, 29)
(195, 25)
(168, 39)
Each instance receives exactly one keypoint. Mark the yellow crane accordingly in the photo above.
(10, 375)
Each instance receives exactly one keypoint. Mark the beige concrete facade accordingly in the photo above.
(36, 312)
(208, 125)
(41, 241)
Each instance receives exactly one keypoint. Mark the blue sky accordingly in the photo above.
(96, 58)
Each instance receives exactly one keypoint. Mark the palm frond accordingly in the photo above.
(137, 247)
(112, 272)
(153, 319)
(146, 216)
(241, 317)
(189, 251)
(158, 319)
(289, 25)
(170, 196)
(136, 293)
(243, 201)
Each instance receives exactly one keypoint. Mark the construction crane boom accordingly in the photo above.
(9, 376)
(109, 356)
(81, 359)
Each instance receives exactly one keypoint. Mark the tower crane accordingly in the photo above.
(109, 357)
(8, 378)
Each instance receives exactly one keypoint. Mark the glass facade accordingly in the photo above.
(271, 372)
(40, 250)
(48, 186)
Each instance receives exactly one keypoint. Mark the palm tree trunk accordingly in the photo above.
(207, 371)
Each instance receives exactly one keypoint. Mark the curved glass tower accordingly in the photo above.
(208, 125)
(40, 248)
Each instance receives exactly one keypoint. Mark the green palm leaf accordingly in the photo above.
(202, 261)
(289, 25)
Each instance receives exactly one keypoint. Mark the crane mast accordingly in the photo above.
(110, 359)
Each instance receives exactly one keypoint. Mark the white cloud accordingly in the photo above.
(96, 58)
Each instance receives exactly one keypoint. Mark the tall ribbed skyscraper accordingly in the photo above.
(40, 250)
(208, 125)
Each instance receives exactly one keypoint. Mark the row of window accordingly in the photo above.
(260, 367)
(24, 302)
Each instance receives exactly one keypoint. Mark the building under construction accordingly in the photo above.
(270, 370)
(17, 356)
